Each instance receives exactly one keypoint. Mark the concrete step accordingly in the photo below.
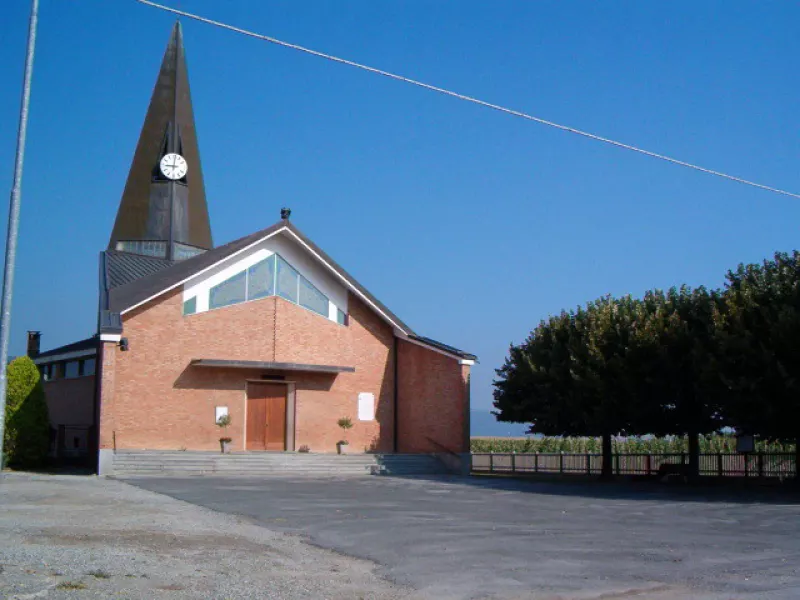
(176, 463)
(273, 456)
(292, 461)
(279, 459)
(224, 467)
(274, 466)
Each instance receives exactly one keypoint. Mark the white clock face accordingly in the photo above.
(174, 166)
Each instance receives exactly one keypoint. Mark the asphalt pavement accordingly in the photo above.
(495, 538)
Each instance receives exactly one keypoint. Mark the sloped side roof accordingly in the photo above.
(123, 268)
(87, 344)
(445, 347)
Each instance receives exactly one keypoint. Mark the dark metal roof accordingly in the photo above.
(152, 208)
(87, 344)
(271, 366)
(434, 344)
(124, 267)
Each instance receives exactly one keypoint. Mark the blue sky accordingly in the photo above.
(469, 224)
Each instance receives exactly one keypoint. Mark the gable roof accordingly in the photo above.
(128, 296)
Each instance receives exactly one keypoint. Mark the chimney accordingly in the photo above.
(34, 340)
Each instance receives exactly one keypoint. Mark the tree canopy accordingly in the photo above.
(27, 430)
(686, 361)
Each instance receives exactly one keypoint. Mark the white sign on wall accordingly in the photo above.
(220, 411)
(366, 406)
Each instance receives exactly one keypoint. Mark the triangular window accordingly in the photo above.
(273, 276)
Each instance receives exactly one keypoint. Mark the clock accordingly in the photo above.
(173, 166)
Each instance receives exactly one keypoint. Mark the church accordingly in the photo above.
(266, 333)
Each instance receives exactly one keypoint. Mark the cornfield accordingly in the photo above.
(587, 445)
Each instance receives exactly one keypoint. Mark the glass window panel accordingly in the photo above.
(147, 248)
(312, 298)
(341, 317)
(261, 279)
(190, 306)
(71, 369)
(228, 292)
(88, 366)
(287, 281)
(184, 251)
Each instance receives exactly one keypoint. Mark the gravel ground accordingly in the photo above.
(84, 537)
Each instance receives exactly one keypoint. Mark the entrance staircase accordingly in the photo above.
(268, 464)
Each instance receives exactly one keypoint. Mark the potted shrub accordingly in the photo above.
(343, 445)
(224, 442)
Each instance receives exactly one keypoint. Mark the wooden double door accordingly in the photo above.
(266, 416)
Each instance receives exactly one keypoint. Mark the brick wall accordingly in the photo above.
(159, 402)
(151, 398)
(70, 401)
(433, 401)
(106, 361)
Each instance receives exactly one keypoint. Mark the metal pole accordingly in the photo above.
(13, 218)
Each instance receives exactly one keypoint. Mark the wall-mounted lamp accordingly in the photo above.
(123, 344)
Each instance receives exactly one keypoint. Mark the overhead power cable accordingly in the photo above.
(446, 92)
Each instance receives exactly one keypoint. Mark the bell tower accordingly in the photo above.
(163, 212)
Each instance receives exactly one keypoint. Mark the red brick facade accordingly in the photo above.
(434, 401)
(151, 398)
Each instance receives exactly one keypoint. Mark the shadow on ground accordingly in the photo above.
(645, 489)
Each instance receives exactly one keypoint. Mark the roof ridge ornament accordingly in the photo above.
(286, 213)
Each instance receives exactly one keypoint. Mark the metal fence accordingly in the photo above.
(760, 464)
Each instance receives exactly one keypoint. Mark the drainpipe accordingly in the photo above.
(394, 419)
(98, 381)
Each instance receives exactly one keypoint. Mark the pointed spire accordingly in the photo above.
(153, 207)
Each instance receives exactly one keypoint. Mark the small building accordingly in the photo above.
(69, 385)
(267, 329)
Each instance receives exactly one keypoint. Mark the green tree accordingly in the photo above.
(569, 376)
(759, 357)
(620, 366)
(535, 385)
(688, 392)
(27, 430)
(606, 370)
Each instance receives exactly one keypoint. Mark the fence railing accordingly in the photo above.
(760, 464)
